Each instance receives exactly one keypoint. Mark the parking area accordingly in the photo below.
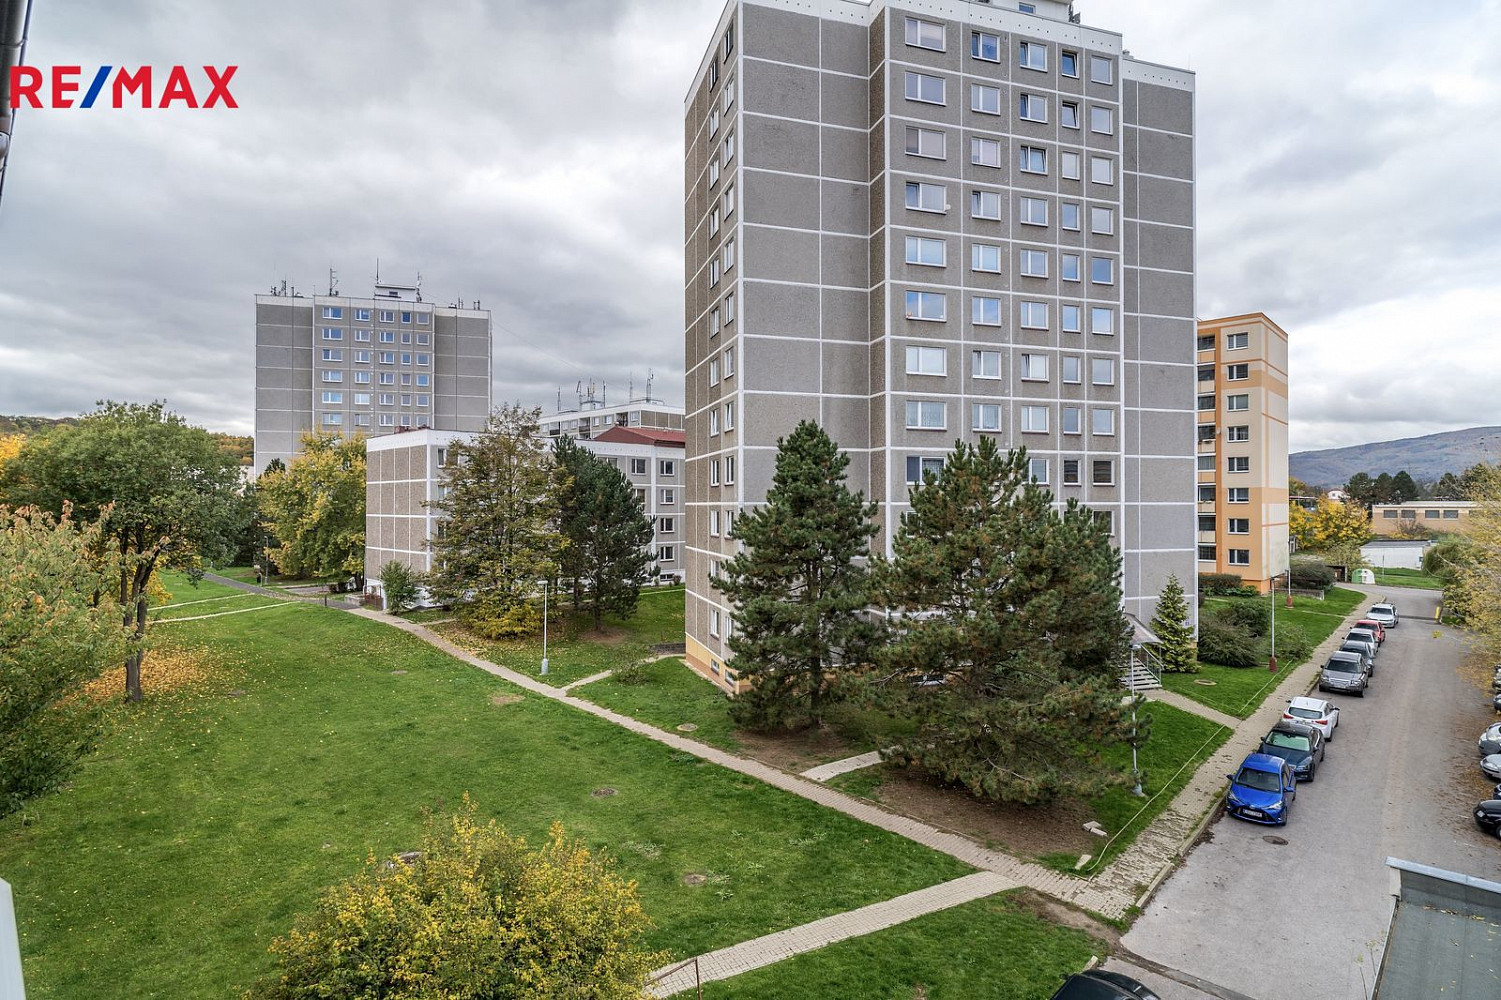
(1302, 910)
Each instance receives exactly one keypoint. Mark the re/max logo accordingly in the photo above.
(26, 84)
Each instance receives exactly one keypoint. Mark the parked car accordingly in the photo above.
(1374, 626)
(1490, 740)
(1315, 712)
(1263, 790)
(1488, 816)
(1362, 650)
(1496, 701)
(1344, 672)
(1364, 635)
(1385, 613)
(1491, 766)
(1098, 984)
(1301, 746)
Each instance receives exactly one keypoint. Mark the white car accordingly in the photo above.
(1491, 766)
(1315, 712)
(1386, 614)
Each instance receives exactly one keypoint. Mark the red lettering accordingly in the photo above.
(126, 83)
(25, 81)
(63, 85)
(221, 86)
(178, 89)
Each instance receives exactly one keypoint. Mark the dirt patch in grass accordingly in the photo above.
(506, 699)
(1027, 830)
(607, 635)
(1035, 903)
(796, 751)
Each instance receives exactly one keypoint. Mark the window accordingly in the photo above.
(714, 222)
(1206, 553)
(1101, 271)
(1034, 419)
(424, 400)
(984, 257)
(1237, 373)
(727, 255)
(927, 197)
(423, 319)
(926, 252)
(918, 469)
(388, 357)
(333, 397)
(1070, 165)
(362, 315)
(929, 306)
(406, 399)
(1068, 216)
(667, 553)
(362, 357)
(1068, 114)
(728, 97)
(985, 46)
(1034, 211)
(1206, 522)
(1234, 342)
(714, 523)
(1032, 159)
(729, 309)
(1027, 8)
(1102, 472)
(985, 364)
(1206, 343)
(406, 318)
(714, 322)
(1238, 402)
(1034, 263)
(333, 419)
(388, 420)
(729, 362)
(669, 525)
(985, 152)
(1102, 170)
(1032, 108)
(985, 204)
(332, 354)
(1037, 470)
(333, 376)
(1069, 318)
(388, 316)
(1072, 420)
(1239, 557)
(1068, 270)
(925, 88)
(714, 372)
(388, 399)
(1239, 525)
(387, 337)
(1102, 371)
(363, 378)
(1390, 515)
(713, 172)
(1238, 432)
(332, 333)
(1101, 220)
(638, 466)
(713, 73)
(1101, 70)
(1206, 494)
(713, 121)
(406, 359)
(729, 40)
(713, 272)
(728, 153)
(1102, 120)
(1102, 320)
(1238, 463)
(925, 34)
(985, 310)
(927, 361)
(1105, 519)
(667, 467)
(927, 142)
(1032, 55)
(362, 399)
(713, 422)
(333, 312)
(1071, 476)
(986, 100)
(1068, 63)
(727, 201)
(1206, 373)
(986, 416)
(1206, 402)
(362, 336)
(928, 416)
(1073, 369)
(714, 621)
(729, 469)
(729, 416)
(1432, 514)
(1033, 368)
(668, 497)
(1451, 515)
(1102, 421)
(1034, 315)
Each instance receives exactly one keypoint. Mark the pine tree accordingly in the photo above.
(798, 592)
(1011, 639)
(1172, 626)
(607, 552)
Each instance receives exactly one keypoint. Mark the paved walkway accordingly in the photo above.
(772, 948)
(834, 768)
(582, 680)
(1198, 708)
(220, 614)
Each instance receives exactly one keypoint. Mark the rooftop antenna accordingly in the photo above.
(650, 377)
(333, 282)
(630, 387)
(419, 286)
(578, 391)
(377, 270)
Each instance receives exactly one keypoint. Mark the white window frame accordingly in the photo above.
(984, 99)
(1033, 56)
(1102, 320)
(979, 199)
(981, 254)
(985, 417)
(1072, 370)
(1071, 420)
(1032, 108)
(1032, 367)
(919, 34)
(921, 415)
(1101, 170)
(918, 194)
(1039, 470)
(1095, 118)
(1102, 371)
(1101, 70)
(1102, 220)
(929, 143)
(982, 41)
(986, 310)
(984, 152)
(1094, 270)
(1070, 317)
(985, 365)
(1030, 311)
(1102, 421)
(919, 251)
(1030, 416)
(927, 360)
(921, 84)
(1237, 402)
(1032, 263)
(1027, 156)
(1032, 211)
(920, 306)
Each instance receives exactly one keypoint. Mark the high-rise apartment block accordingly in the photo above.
(915, 222)
(365, 366)
(1242, 445)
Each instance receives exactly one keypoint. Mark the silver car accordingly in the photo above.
(1386, 614)
(1344, 672)
(1361, 650)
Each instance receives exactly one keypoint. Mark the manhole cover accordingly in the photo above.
(1273, 839)
(1204, 682)
(694, 878)
(397, 673)
(603, 793)
(688, 727)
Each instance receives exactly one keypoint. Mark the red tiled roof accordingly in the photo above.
(644, 435)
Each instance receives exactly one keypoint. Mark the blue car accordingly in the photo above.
(1263, 790)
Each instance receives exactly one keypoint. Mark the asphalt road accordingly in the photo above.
(1308, 919)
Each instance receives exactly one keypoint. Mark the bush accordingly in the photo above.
(1292, 643)
(400, 585)
(475, 915)
(1226, 643)
(631, 673)
(1254, 616)
(1312, 576)
(492, 619)
(1220, 584)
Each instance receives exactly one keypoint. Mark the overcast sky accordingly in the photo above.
(528, 154)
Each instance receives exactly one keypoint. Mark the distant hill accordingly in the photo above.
(1424, 458)
(241, 447)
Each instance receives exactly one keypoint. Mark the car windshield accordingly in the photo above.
(1262, 781)
(1291, 741)
(1381, 609)
(1305, 713)
(1342, 667)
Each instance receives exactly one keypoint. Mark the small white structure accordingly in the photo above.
(11, 986)
(1395, 554)
(1365, 576)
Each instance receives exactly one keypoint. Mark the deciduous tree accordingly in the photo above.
(607, 536)
(798, 592)
(316, 508)
(1330, 526)
(165, 492)
(1171, 625)
(1475, 595)
(1012, 641)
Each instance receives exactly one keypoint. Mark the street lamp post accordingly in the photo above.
(544, 628)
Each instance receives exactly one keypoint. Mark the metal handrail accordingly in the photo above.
(698, 982)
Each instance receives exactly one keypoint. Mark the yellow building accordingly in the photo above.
(1242, 448)
(1438, 516)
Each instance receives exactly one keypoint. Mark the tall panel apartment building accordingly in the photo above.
(922, 221)
(365, 366)
(1242, 443)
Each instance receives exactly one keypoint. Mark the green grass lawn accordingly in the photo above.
(1407, 578)
(208, 819)
(668, 695)
(575, 650)
(990, 949)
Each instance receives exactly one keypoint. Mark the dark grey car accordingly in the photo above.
(1344, 672)
(1365, 635)
(1363, 651)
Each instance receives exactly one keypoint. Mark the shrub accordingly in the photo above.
(399, 584)
(494, 619)
(476, 915)
(631, 673)
(1292, 643)
(1252, 615)
(1226, 643)
(1219, 584)
(1312, 576)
